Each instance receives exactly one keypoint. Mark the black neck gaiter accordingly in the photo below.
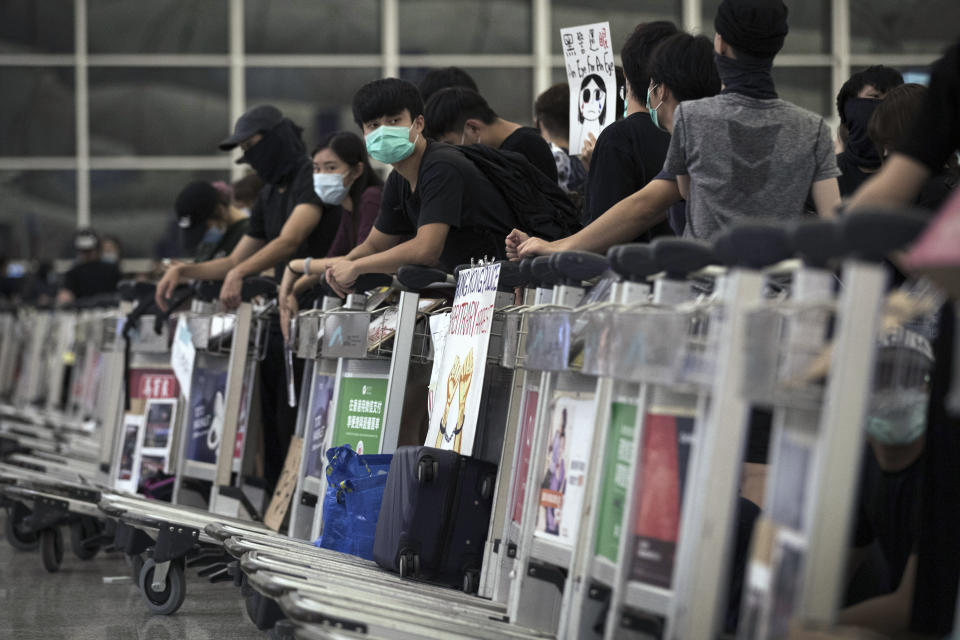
(747, 75)
(278, 153)
(856, 114)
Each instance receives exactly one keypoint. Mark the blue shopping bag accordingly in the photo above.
(355, 485)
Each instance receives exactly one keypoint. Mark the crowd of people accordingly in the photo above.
(701, 141)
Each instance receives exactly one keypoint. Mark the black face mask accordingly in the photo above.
(748, 75)
(277, 154)
(856, 113)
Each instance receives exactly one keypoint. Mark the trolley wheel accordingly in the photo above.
(171, 598)
(14, 531)
(81, 530)
(471, 581)
(51, 549)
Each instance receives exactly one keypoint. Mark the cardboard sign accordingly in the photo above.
(565, 467)
(280, 501)
(588, 57)
(439, 325)
(453, 424)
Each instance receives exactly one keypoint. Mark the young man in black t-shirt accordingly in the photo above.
(458, 115)
(630, 152)
(437, 208)
(90, 276)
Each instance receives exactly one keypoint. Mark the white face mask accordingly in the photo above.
(330, 187)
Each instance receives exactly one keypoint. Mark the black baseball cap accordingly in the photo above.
(86, 240)
(257, 120)
(195, 204)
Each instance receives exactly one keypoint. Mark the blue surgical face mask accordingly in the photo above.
(389, 144)
(900, 422)
(330, 187)
(213, 235)
(653, 111)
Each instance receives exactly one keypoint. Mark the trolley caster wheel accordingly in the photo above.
(409, 564)
(81, 530)
(171, 598)
(51, 549)
(471, 581)
(14, 531)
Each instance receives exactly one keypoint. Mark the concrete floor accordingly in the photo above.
(76, 603)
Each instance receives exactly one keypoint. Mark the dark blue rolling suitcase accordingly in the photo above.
(434, 516)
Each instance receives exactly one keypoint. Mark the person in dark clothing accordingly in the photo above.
(245, 192)
(90, 276)
(437, 207)
(288, 221)
(444, 78)
(551, 110)
(891, 122)
(210, 227)
(461, 116)
(630, 152)
(856, 101)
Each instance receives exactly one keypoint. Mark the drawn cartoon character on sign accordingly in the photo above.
(593, 105)
(461, 375)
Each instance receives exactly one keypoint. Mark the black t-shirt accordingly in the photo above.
(528, 142)
(223, 247)
(629, 153)
(936, 130)
(938, 545)
(277, 201)
(91, 278)
(888, 512)
(850, 178)
(450, 190)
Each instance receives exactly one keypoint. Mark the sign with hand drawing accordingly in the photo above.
(588, 58)
(453, 422)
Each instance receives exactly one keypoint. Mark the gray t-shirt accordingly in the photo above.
(747, 159)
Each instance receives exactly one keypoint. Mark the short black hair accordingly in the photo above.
(552, 110)
(879, 76)
(684, 64)
(385, 97)
(444, 78)
(636, 51)
(449, 109)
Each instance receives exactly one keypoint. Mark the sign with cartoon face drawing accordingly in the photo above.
(453, 422)
(588, 57)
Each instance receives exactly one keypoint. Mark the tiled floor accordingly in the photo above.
(76, 603)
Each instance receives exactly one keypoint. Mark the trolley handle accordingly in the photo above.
(574, 267)
(132, 291)
(817, 242)
(181, 295)
(512, 275)
(632, 261)
(207, 290)
(753, 245)
(543, 272)
(255, 286)
(416, 277)
(680, 257)
(873, 233)
(370, 281)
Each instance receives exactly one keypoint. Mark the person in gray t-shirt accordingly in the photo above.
(747, 154)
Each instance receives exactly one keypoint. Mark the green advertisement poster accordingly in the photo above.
(616, 471)
(359, 419)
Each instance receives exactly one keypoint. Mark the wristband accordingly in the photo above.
(291, 270)
(306, 266)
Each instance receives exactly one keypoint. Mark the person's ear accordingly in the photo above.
(718, 43)
(474, 126)
(418, 124)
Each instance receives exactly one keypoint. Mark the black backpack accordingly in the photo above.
(541, 207)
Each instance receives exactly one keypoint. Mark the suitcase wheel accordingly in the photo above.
(487, 486)
(427, 469)
(471, 581)
(409, 564)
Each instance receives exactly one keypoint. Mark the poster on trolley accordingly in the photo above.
(456, 405)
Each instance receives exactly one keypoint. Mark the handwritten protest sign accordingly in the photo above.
(588, 57)
(453, 423)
